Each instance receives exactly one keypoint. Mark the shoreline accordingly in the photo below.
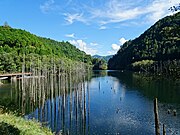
(26, 127)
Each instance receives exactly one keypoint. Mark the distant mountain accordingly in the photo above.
(158, 46)
(106, 58)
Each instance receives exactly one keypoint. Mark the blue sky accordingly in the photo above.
(95, 26)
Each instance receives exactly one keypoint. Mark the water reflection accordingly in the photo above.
(68, 113)
(58, 101)
(109, 102)
(166, 90)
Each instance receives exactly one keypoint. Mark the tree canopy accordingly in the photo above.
(16, 43)
(161, 42)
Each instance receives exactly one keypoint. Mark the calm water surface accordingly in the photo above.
(111, 102)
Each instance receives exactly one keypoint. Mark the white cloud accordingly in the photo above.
(47, 6)
(159, 9)
(71, 18)
(115, 11)
(122, 41)
(94, 44)
(83, 46)
(103, 28)
(111, 52)
(70, 35)
(111, 11)
(116, 47)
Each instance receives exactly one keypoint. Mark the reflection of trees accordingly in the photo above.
(57, 97)
(101, 73)
(151, 86)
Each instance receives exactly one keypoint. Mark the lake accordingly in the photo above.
(105, 102)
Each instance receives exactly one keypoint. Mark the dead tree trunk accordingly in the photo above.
(157, 130)
(164, 130)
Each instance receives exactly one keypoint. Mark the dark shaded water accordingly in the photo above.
(111, 102)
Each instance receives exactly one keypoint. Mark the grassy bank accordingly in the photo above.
(10, 124)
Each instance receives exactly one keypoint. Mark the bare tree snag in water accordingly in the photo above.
(164, 130)
(157, 130)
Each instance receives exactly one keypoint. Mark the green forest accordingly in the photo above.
(17, 46)
(156, 50)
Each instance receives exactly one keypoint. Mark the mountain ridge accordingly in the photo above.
(106, 58)
(161, 42)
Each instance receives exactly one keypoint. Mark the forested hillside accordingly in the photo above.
(17, 44)
(100, 62)
(157, 49)
(106, 58)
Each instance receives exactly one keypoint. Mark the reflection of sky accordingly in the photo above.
(114, 108)
(123, 91)
(110, 108)
(118, 87)
(115, 84)
(93, 83)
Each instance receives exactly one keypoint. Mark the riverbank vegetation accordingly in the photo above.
(13, 125)
(157, 50)
(99, 64)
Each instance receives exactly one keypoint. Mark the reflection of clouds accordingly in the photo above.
(93, 86)
(94, 83)
(123, 91)
(116, 85)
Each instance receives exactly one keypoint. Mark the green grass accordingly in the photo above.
(7, 129)
(11, 123)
